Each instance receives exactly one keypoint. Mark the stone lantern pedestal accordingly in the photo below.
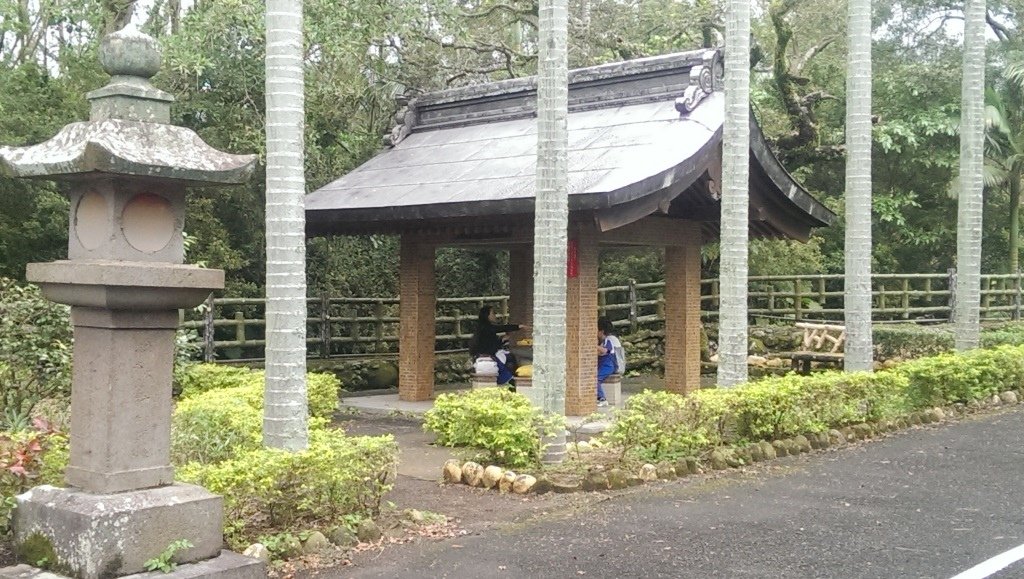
(125, 171)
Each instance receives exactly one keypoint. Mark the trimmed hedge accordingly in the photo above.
(909, 341)
(269, 491)
(657, 426)
(963, 377)
(322, 389)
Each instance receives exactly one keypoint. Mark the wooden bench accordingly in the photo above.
(822, 343)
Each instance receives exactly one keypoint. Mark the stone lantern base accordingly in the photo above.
(99, 536)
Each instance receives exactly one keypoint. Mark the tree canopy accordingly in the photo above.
(361, 55)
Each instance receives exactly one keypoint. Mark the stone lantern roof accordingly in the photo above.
(128, 132)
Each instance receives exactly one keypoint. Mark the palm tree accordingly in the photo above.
(972, 155)
(285, 408)
(858, 189)
(552, 206)
(1004, 155)
(732, 351)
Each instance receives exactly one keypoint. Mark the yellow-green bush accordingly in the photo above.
(269, 491)
(322, 388)
(504, 424)
(964, 376)
(662, 426)
(216, 425)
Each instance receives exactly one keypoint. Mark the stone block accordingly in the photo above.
(613, 391)
(96, 536)
(227, 565)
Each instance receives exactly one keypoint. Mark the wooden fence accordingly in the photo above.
(233, 328)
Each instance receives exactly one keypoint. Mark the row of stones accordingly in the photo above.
(367, 531)
(491, 477)
(475, 475)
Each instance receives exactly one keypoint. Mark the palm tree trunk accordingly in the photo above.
(972, 142)
(552, 206)
(1015, 178)
(858, 350)
(285, 409)
(732, 351)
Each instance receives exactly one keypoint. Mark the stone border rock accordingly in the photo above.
(720, 458)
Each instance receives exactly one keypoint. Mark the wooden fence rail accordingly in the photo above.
(234, 328)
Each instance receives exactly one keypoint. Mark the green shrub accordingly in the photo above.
(322, 388)
(909, 341)
(215, 425)
(35, 350)
(504, 424)
(964, 376)
(656, 426)
(1009, 334)
(268, 491)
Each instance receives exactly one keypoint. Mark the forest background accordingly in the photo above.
(364, 54)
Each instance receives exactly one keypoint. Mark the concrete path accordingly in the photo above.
(929, 502)
(388, 404)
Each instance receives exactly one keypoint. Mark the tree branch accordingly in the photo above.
(814, 51)
(1002, 32)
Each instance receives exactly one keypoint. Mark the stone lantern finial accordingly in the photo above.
(131, 58)
(129, 52)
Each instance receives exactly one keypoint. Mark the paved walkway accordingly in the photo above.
(926, 502)
(389, 404)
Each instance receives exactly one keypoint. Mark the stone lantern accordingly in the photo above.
(125, 171)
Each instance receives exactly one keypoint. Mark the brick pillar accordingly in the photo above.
(417, 295)
(581, 325)
(520, 285)
(682, 314)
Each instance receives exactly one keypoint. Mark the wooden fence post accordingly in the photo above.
(325, 325)
(798, 299)
(1016, 296)
(633, 307)
(353, 328)
(906, 298)
(240, 326)
(208, 354)
(951, 277)
(986, 294)
(602, 304)
(378, 326)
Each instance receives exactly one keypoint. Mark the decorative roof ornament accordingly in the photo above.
(128, 132)
(704, 80)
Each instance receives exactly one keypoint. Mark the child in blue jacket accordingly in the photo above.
(606, 358)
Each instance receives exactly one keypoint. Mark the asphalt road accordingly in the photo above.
(929, 502)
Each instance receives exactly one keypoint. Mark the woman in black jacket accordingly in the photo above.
(485, 341)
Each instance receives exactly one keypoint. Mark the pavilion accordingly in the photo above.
(645, 142)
